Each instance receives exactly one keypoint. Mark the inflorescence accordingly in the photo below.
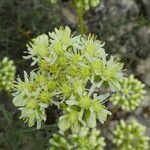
(86, 4)
(85, 140)
(130, 136)
(82, 4)
(7, 74)
(71, 68)
(130, 95)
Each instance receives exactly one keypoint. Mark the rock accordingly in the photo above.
(147, 6)
(143, 69)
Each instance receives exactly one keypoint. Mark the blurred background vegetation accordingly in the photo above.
(124, 25)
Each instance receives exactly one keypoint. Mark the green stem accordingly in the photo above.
(79, 17)
(80, 22)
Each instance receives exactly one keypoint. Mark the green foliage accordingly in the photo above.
(9, 133)
(23, 21)
(85, 140)
(130, 136)
(67, 64)
(130, 95)
(15, 135)
(7, 74)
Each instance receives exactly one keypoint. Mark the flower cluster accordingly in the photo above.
(32, 96)
(130, 136)
(53, 1)
(82, 4)
(7, 74)
(130, 95)
(85, 140)
(86, 4)
(71, 68)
